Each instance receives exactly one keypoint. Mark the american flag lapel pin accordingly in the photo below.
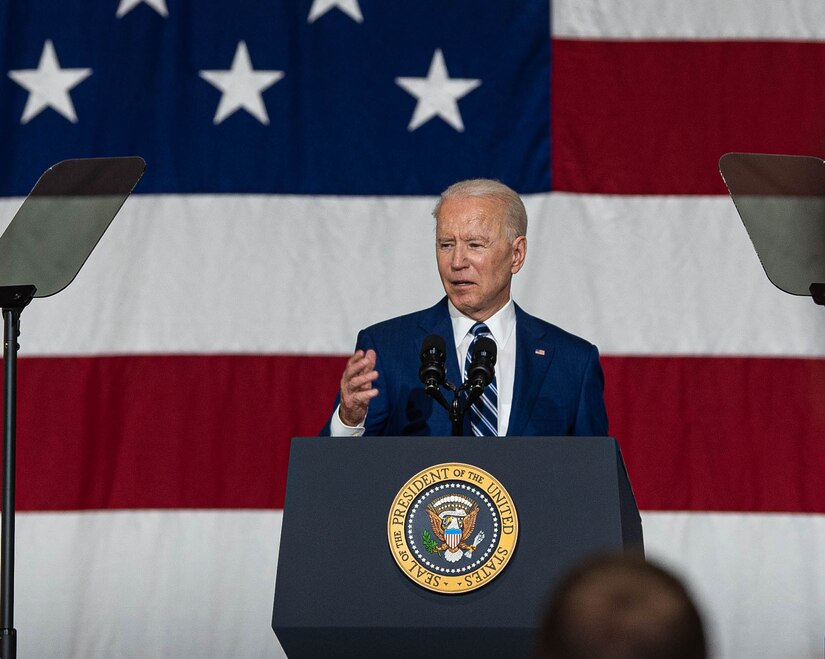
(540, 351)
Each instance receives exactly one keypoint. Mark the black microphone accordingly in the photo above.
(433, 369)
(481, 370)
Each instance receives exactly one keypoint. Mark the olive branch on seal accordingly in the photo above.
(429, 544)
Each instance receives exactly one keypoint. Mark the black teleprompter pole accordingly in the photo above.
(12, 300)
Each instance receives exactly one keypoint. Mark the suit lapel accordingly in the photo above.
(533, 356)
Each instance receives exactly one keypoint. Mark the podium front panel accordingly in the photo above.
(339, 590)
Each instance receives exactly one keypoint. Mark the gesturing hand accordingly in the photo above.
(356, 387)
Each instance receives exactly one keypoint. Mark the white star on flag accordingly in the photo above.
(48, 85)
(241, 86)
(437, 94)
(321, 7)
(126, 6)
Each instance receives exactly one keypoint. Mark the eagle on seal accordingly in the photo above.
(453, 531)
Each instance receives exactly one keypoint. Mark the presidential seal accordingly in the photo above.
(452, 528)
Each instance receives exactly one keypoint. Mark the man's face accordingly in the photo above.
(475, 260)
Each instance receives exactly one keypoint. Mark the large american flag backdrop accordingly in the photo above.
(294, 151)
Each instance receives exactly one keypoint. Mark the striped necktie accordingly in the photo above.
(484, 412)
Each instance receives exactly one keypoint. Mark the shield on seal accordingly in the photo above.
(452, 536)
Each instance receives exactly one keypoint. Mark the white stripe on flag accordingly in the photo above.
(146, 584)
(758, 578)
(635, 275)
(795, 20)
(754, 576)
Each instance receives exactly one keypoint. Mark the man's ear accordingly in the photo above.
(519, 253)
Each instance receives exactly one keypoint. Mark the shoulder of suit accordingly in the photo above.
(548, 331)
(408, 322)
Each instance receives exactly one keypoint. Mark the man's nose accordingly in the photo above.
(459, 259)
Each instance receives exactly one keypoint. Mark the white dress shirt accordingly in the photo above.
(502, 326)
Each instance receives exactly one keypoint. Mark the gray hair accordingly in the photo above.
(515, 213)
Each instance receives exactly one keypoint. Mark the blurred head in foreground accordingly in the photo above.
(621, 607)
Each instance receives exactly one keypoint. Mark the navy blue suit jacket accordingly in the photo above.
(558, 388)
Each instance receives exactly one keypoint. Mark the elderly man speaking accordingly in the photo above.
(547, 381)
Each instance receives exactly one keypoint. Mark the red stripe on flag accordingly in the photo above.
(165, 431)
(654, 117)
(725, 434)
(729, 434)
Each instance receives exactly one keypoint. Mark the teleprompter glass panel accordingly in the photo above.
(781, 201)
(62, 219)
